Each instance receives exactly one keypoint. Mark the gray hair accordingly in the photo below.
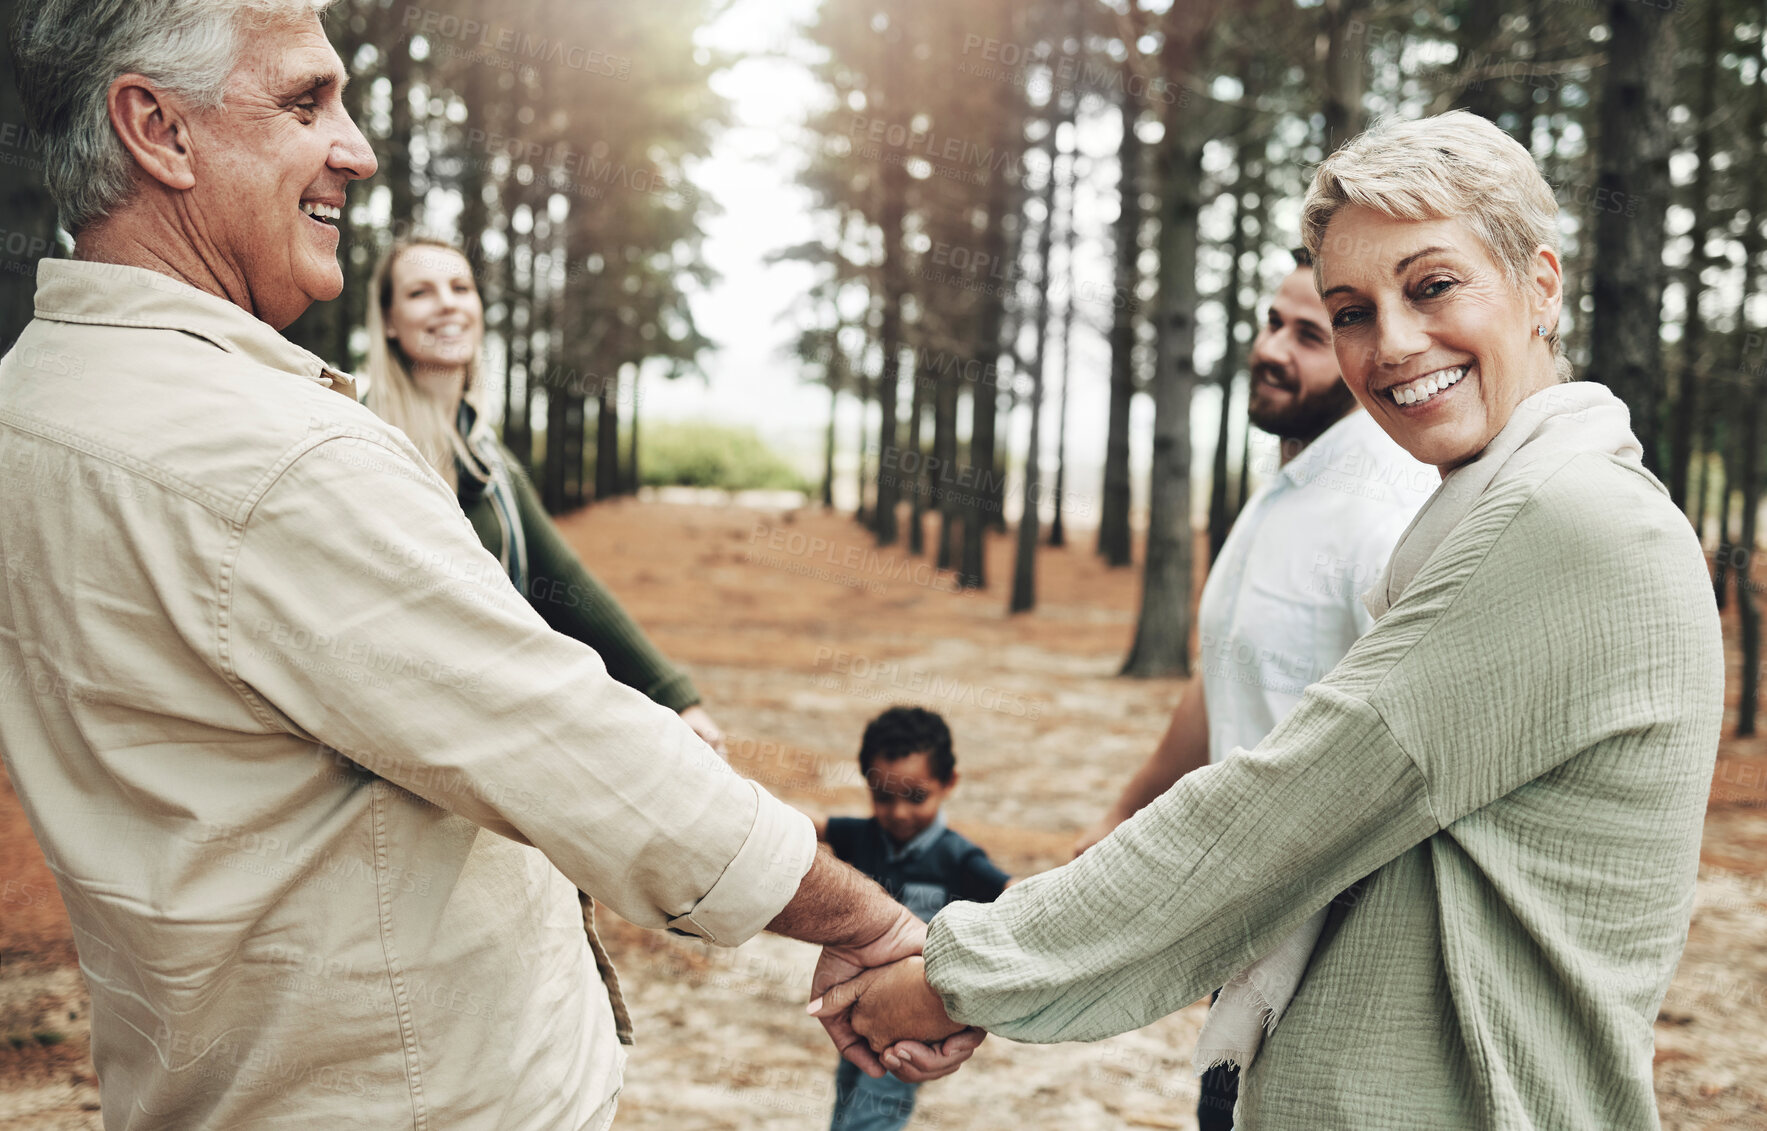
(69, 52)
(1452, 166)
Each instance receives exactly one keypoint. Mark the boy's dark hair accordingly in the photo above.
(902, 731)
(1303, 257)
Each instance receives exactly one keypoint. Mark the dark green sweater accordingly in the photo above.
(575, 603)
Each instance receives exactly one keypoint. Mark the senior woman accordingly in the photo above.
(1498, 792)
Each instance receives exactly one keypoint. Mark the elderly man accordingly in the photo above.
(316, 784)
(1281, 607)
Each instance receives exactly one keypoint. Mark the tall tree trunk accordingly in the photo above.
(1162, 631)
(1633, 164)
(1113, 518)
(984, 392)
(1687, 402)
(863, 441)
(396, 154)
(1220, 515)
(834, 404)
(1480, 24)
(1057, 536)
(629, 485)
(893, 182)
(26, 209)
(1752, 390)
(607, 437)
(1725, 550)
(916, 481)
(945, 449)
(1343, 60)
(1024, 572)
(1748, 615)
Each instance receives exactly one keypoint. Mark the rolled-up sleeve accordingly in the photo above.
(359, 609)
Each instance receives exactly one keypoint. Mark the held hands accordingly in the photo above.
(902, 1020)
(843, 973)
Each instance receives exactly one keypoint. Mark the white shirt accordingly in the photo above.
(1282, 603)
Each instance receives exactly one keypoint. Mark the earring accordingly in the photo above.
(1540, 331)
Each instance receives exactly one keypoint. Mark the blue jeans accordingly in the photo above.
(864, 1104)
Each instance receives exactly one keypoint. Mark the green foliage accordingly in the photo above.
(702, 454)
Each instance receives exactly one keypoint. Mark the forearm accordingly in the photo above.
(836, 905)
(1183, 748)
(1200, 883)
(575, 602)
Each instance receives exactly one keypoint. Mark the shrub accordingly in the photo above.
(702, 454)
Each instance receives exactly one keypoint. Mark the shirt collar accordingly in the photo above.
(1318, 457)
(111, 294)
(922, 841)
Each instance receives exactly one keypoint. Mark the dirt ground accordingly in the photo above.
(797, 633)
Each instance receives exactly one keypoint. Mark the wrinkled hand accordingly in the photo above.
(905, 936)
(898, 1014)
(709, 732)
(1106, 826)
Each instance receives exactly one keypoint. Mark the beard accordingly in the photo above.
(1305, 417)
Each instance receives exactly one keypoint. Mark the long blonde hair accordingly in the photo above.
(393, 395)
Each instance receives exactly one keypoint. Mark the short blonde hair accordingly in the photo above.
(1454, 166)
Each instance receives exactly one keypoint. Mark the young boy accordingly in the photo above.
(904, 845)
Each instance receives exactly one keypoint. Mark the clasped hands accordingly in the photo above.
(880, 1012)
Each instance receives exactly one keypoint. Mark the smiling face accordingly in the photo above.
(1296, 393)
(905, 796)
(1431, 335)
(435, 313)
(271, 166)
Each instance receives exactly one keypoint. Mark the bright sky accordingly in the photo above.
(752, 312)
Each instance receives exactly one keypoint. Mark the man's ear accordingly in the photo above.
(153, 131)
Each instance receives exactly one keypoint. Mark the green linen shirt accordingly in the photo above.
(575, 603)
(1498, 792)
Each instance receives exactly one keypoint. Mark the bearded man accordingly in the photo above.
(1282, 602)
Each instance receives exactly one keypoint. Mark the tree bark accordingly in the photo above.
(1113, 519)
(1633, 165)
(1693, 366)
(607, 437)
(1752, 388)
(1343, 61)
(1162, 631)
(25, 204)
(916, 480)
(984, 392)
(1024, 572)
(1220, 515)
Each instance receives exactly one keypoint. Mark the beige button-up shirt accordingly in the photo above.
(314, 780)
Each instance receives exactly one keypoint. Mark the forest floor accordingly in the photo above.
(797, 633)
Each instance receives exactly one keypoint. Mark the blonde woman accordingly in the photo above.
(1497, 795)
(425, 329)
